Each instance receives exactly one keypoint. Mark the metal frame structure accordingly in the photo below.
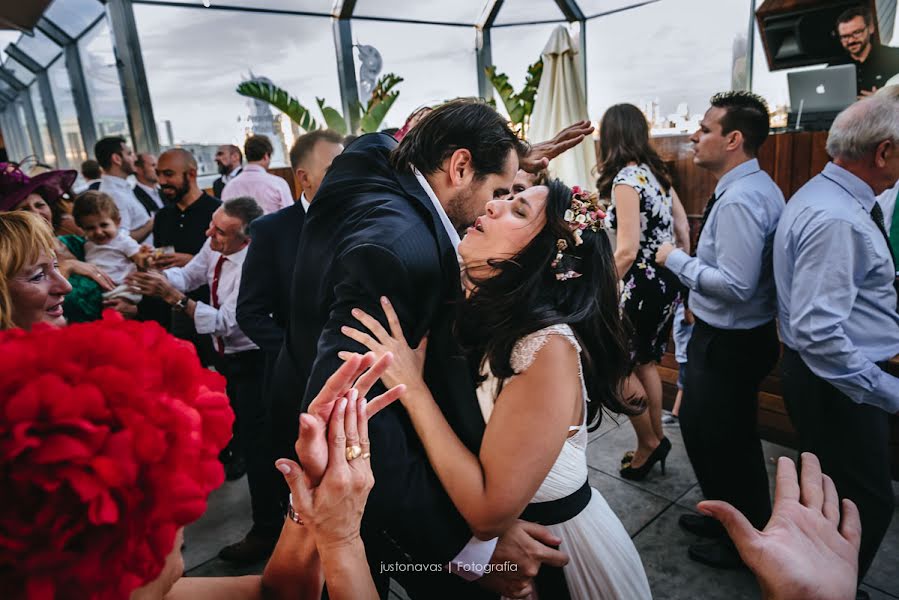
(135, 89)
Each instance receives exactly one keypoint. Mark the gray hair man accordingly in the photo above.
(219, 264)
(837, 304)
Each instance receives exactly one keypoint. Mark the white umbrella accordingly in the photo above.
(561, 101)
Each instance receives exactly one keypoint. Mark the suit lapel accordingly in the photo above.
(449, 261)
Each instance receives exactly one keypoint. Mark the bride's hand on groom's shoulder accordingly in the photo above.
(407, 366)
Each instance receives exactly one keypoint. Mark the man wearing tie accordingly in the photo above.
(839, 324)
(734, 343)
(219, 265)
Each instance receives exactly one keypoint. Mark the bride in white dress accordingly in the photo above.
(541, 313)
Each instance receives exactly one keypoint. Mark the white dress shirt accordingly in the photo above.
(270, 191)
(219, 322)
(153, 192)
(305, 203)
(131, 211)
(475, 552)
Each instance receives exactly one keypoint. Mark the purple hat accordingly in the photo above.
(15, 185)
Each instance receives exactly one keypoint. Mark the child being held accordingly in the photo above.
(108, 247)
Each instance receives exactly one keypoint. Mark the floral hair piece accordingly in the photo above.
(583, 214)
(106, 450)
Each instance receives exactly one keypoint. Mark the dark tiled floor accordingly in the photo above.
(648, 509)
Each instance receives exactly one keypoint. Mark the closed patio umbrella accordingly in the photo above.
(561, 100)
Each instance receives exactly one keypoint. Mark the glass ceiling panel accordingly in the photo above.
(39, 47)
(591, 8)
(73, 16)
(457, 11)
(315, 6)
(528, 11)
(18, 70)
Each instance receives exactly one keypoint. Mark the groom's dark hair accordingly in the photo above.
(462, 123)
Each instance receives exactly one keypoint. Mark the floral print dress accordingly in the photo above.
(649, 293)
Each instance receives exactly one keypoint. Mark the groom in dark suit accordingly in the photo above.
(384, 223)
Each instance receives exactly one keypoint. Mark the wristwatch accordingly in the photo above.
(181, 304)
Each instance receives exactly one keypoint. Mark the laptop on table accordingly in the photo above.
(821, 94)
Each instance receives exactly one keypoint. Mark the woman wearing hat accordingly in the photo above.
(39, 194)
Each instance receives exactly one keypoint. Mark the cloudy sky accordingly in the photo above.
(672, 50)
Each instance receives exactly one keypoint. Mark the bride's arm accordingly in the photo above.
(524, 436)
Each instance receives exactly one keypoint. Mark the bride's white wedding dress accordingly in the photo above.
(604, 562)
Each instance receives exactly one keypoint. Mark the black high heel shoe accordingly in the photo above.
(658, 456)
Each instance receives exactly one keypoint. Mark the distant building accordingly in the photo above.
(263, 122)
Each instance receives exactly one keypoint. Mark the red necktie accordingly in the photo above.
(219, 343)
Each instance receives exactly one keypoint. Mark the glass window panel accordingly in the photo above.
(514, 49)
(65, 110)
(528, 11)
(28, 146)
(39, 47)
(651, 56)
(18, 70)
(596, 7)
(41, 116)
(192, 75)
(458, 11)
(74, 16)
(102, 77)
(436, 62)
(313, 6)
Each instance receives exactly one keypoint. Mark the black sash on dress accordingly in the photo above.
(550, 581)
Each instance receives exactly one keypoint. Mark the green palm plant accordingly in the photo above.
(369, 118)
(519, 105)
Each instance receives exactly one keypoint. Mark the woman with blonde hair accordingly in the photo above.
(32, 289)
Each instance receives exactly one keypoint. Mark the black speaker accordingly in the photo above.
(797, 33)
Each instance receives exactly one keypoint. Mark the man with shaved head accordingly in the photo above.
(229, 159)
(181, 224)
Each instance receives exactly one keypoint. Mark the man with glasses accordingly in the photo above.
(874, 63)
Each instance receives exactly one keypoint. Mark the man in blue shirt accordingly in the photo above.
(837, 306)
(734, 343)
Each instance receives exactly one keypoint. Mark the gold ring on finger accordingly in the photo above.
(353, 452)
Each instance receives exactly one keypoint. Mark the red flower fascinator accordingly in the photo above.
(109, 438)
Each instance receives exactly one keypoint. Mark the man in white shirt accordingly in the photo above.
(218, 265)
(116, 159)
(270, 191)
(146, 188)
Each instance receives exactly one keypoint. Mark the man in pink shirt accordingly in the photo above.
(270, 191)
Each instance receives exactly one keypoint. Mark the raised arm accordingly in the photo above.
(490, 489)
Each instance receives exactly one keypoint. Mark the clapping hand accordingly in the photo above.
(540, 155)
(357, 375)
(333, 509)
(806, 550)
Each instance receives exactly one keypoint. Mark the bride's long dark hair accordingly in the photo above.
(523, 295)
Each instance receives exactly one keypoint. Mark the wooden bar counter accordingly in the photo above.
(791, 159)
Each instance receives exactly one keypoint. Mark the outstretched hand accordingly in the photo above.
(540, 155)
(408, 363)
(805, 551)
(354, 378)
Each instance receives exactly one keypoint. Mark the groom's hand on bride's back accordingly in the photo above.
(527, 546)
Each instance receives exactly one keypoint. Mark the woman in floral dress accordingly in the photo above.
(644, 212)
